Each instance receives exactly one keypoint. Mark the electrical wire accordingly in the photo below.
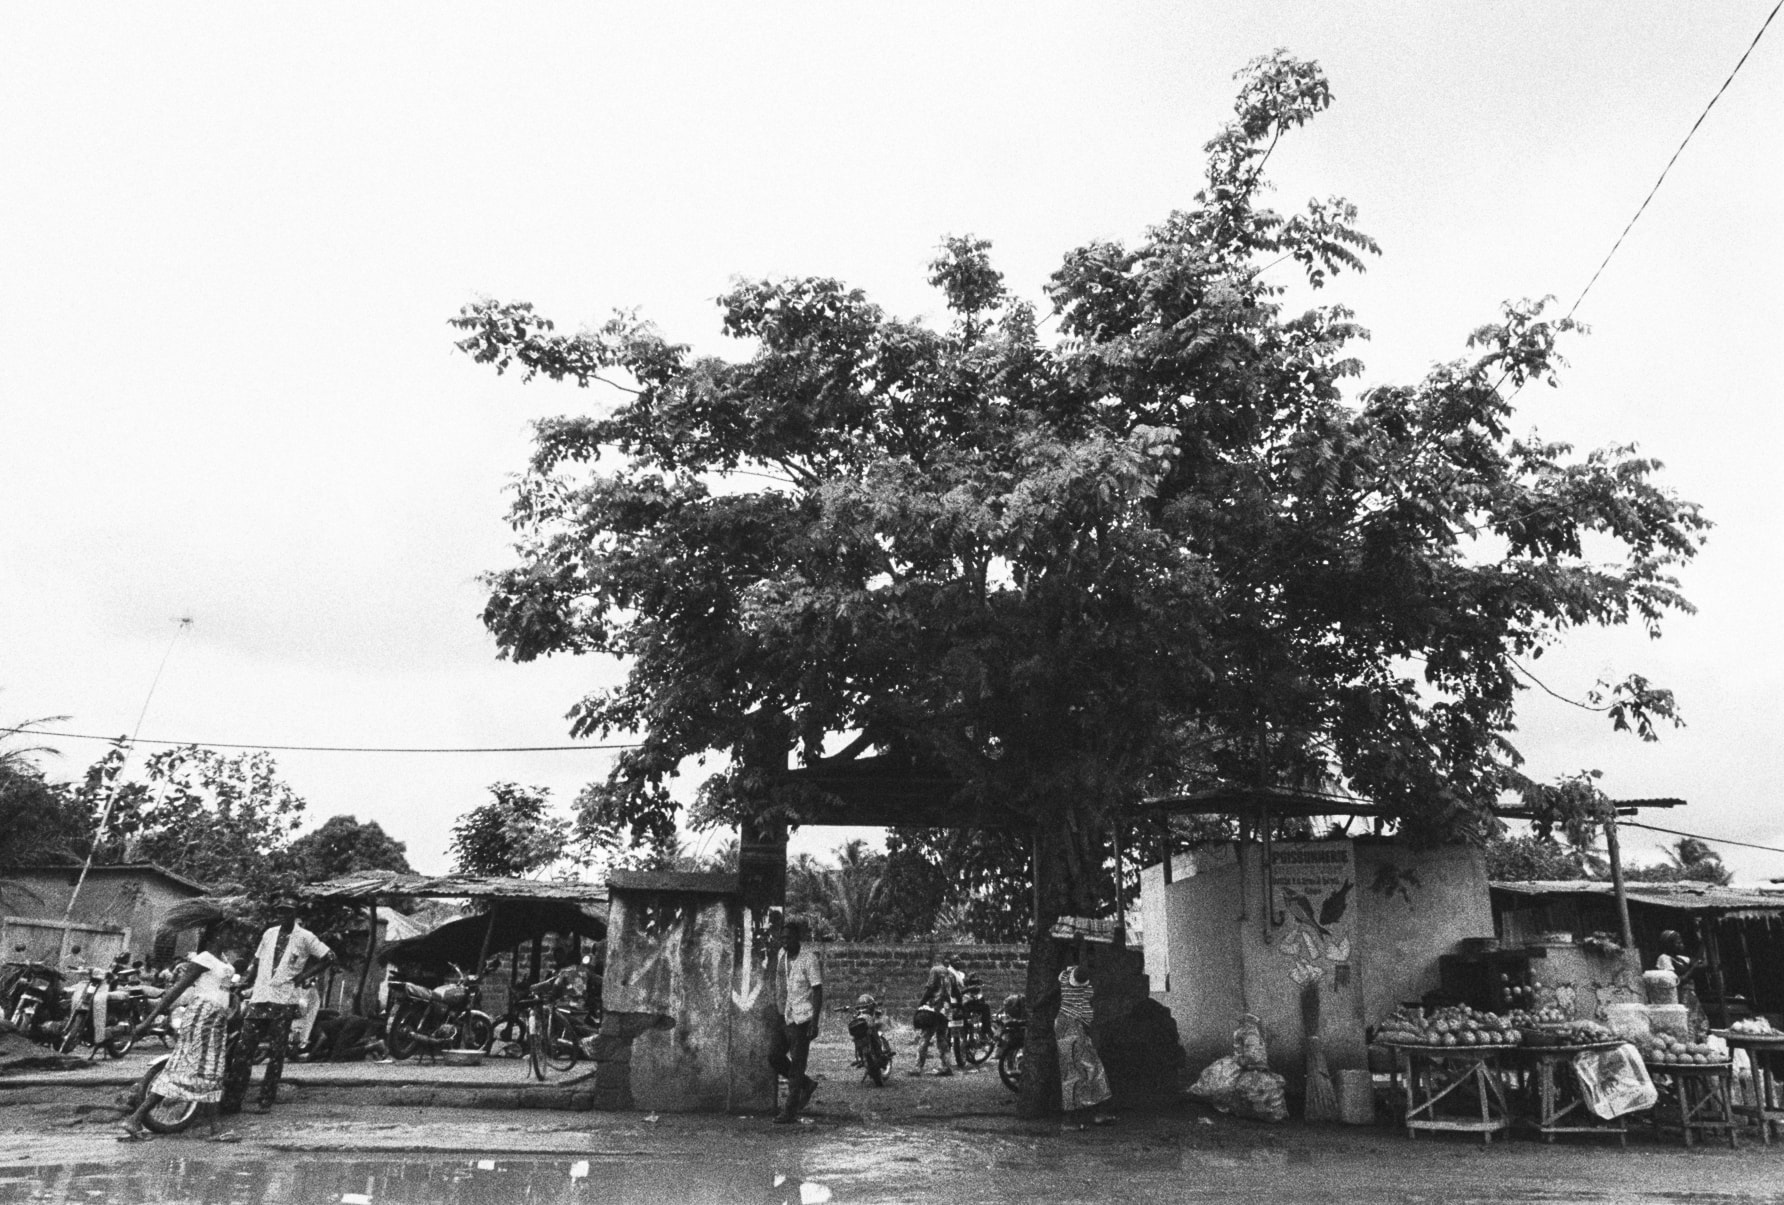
(88, 736)
(1673, 832)
(1675, 158)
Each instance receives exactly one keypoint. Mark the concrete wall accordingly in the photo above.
(130, 899)
(688, 1008)
(1231, 951)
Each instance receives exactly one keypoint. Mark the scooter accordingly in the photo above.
(33, 998)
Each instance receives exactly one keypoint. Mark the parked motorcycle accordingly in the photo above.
(128, 1000)
(444, 1018)
(86, 1021)
(873, 1053)
(33, 997)
(1013, 1021)
(972, 1030)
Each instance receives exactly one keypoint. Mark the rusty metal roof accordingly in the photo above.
(1685, 896)
(375, 884)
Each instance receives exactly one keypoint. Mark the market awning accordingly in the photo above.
(464, 940)
(368, 885)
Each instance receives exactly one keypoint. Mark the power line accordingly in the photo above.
(1675, 158)
(1673, 832)
(88, 736)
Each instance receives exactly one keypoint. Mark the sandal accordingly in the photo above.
(130, 1135)
(225, 1136)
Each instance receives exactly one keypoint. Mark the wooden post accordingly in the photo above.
(1610, 842)
(1120, 907)
(371, 951)
(489, 928)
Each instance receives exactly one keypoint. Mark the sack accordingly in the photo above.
(1259, 1096)
(1614, 1082)
(1248, 1044)
(1215, 1085)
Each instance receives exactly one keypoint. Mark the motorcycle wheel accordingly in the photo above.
(879, 1060)
(1009, 1069)
(475, 1032)
(119, 1047)
(168, 1117)
(401, 1041)
(980, 1045)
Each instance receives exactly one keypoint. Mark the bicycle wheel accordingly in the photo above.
(536, 1046)
(169, 1116)
(561, 1050)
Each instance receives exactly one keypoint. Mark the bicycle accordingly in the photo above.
(550, 1036)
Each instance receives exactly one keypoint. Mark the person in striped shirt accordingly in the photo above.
(1084, 1085)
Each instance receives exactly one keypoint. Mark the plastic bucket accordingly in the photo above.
(1356, 1098)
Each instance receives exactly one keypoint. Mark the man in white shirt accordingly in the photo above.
(288, 958)
(799, 1001)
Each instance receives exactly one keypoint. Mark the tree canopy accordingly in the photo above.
(342, 845)
(1169, 545)
(513, 834)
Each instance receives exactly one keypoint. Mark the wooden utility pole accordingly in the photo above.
(1610, 841)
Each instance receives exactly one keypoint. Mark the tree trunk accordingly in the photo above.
(1062, 888)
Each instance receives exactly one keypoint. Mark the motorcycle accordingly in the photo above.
(86, 1021)
(972, 1030)
(128, 1001)
(443, 1018)
(1013, 1022)
(33, 997)
(873, 1053)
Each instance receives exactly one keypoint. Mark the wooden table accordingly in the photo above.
(1466, 1077)
(1761, 1050)
(1702, 1095)
(1559, 1112)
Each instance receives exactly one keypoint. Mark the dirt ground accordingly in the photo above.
(917, 1139)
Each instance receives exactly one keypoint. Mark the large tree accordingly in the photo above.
(1161, 547)
(343, 845)
(514, 834)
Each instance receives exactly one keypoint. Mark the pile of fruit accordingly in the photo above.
(1662, 1049)
(1457, 1026)
(1523, 1018)
(1758, 1026)
(1570, 1033)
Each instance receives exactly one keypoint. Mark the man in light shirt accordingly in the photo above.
(289, 957)
(799, 1000)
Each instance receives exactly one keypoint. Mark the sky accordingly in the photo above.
(231, 238)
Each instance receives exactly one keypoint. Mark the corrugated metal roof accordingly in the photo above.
(1689, 897)
(372, 884)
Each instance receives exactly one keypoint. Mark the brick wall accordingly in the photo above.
(895, 974)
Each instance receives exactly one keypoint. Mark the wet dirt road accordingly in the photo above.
(916, 1140)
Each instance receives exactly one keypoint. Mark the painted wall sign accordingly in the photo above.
(1313, 892)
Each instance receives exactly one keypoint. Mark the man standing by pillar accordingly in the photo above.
(288, 958)
(799, 1000)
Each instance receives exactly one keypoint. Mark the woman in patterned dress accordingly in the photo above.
(194, 1072)
(1083, 1083)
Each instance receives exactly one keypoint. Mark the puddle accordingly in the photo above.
(310, 1181)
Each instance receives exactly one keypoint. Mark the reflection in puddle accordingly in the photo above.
(312, 1181)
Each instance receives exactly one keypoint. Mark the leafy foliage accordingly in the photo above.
(1688, 860)
(40, 821)
(514, 834)
(1529, 858)
(222, 819)
(342, 845)
(1164, 549)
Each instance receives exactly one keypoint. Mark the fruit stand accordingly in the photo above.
(1447, 1065)
(1763, 1045)
(1547, 1052)
(1696, 1082)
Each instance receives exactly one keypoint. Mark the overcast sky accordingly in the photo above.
(230, 239)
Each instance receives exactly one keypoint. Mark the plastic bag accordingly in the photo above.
(1215, 1085)
(1259, 1096)
(1248, 1044)
(1614, 1082)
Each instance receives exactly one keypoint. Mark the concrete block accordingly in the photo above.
(608, 1048)
(613, 1075)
